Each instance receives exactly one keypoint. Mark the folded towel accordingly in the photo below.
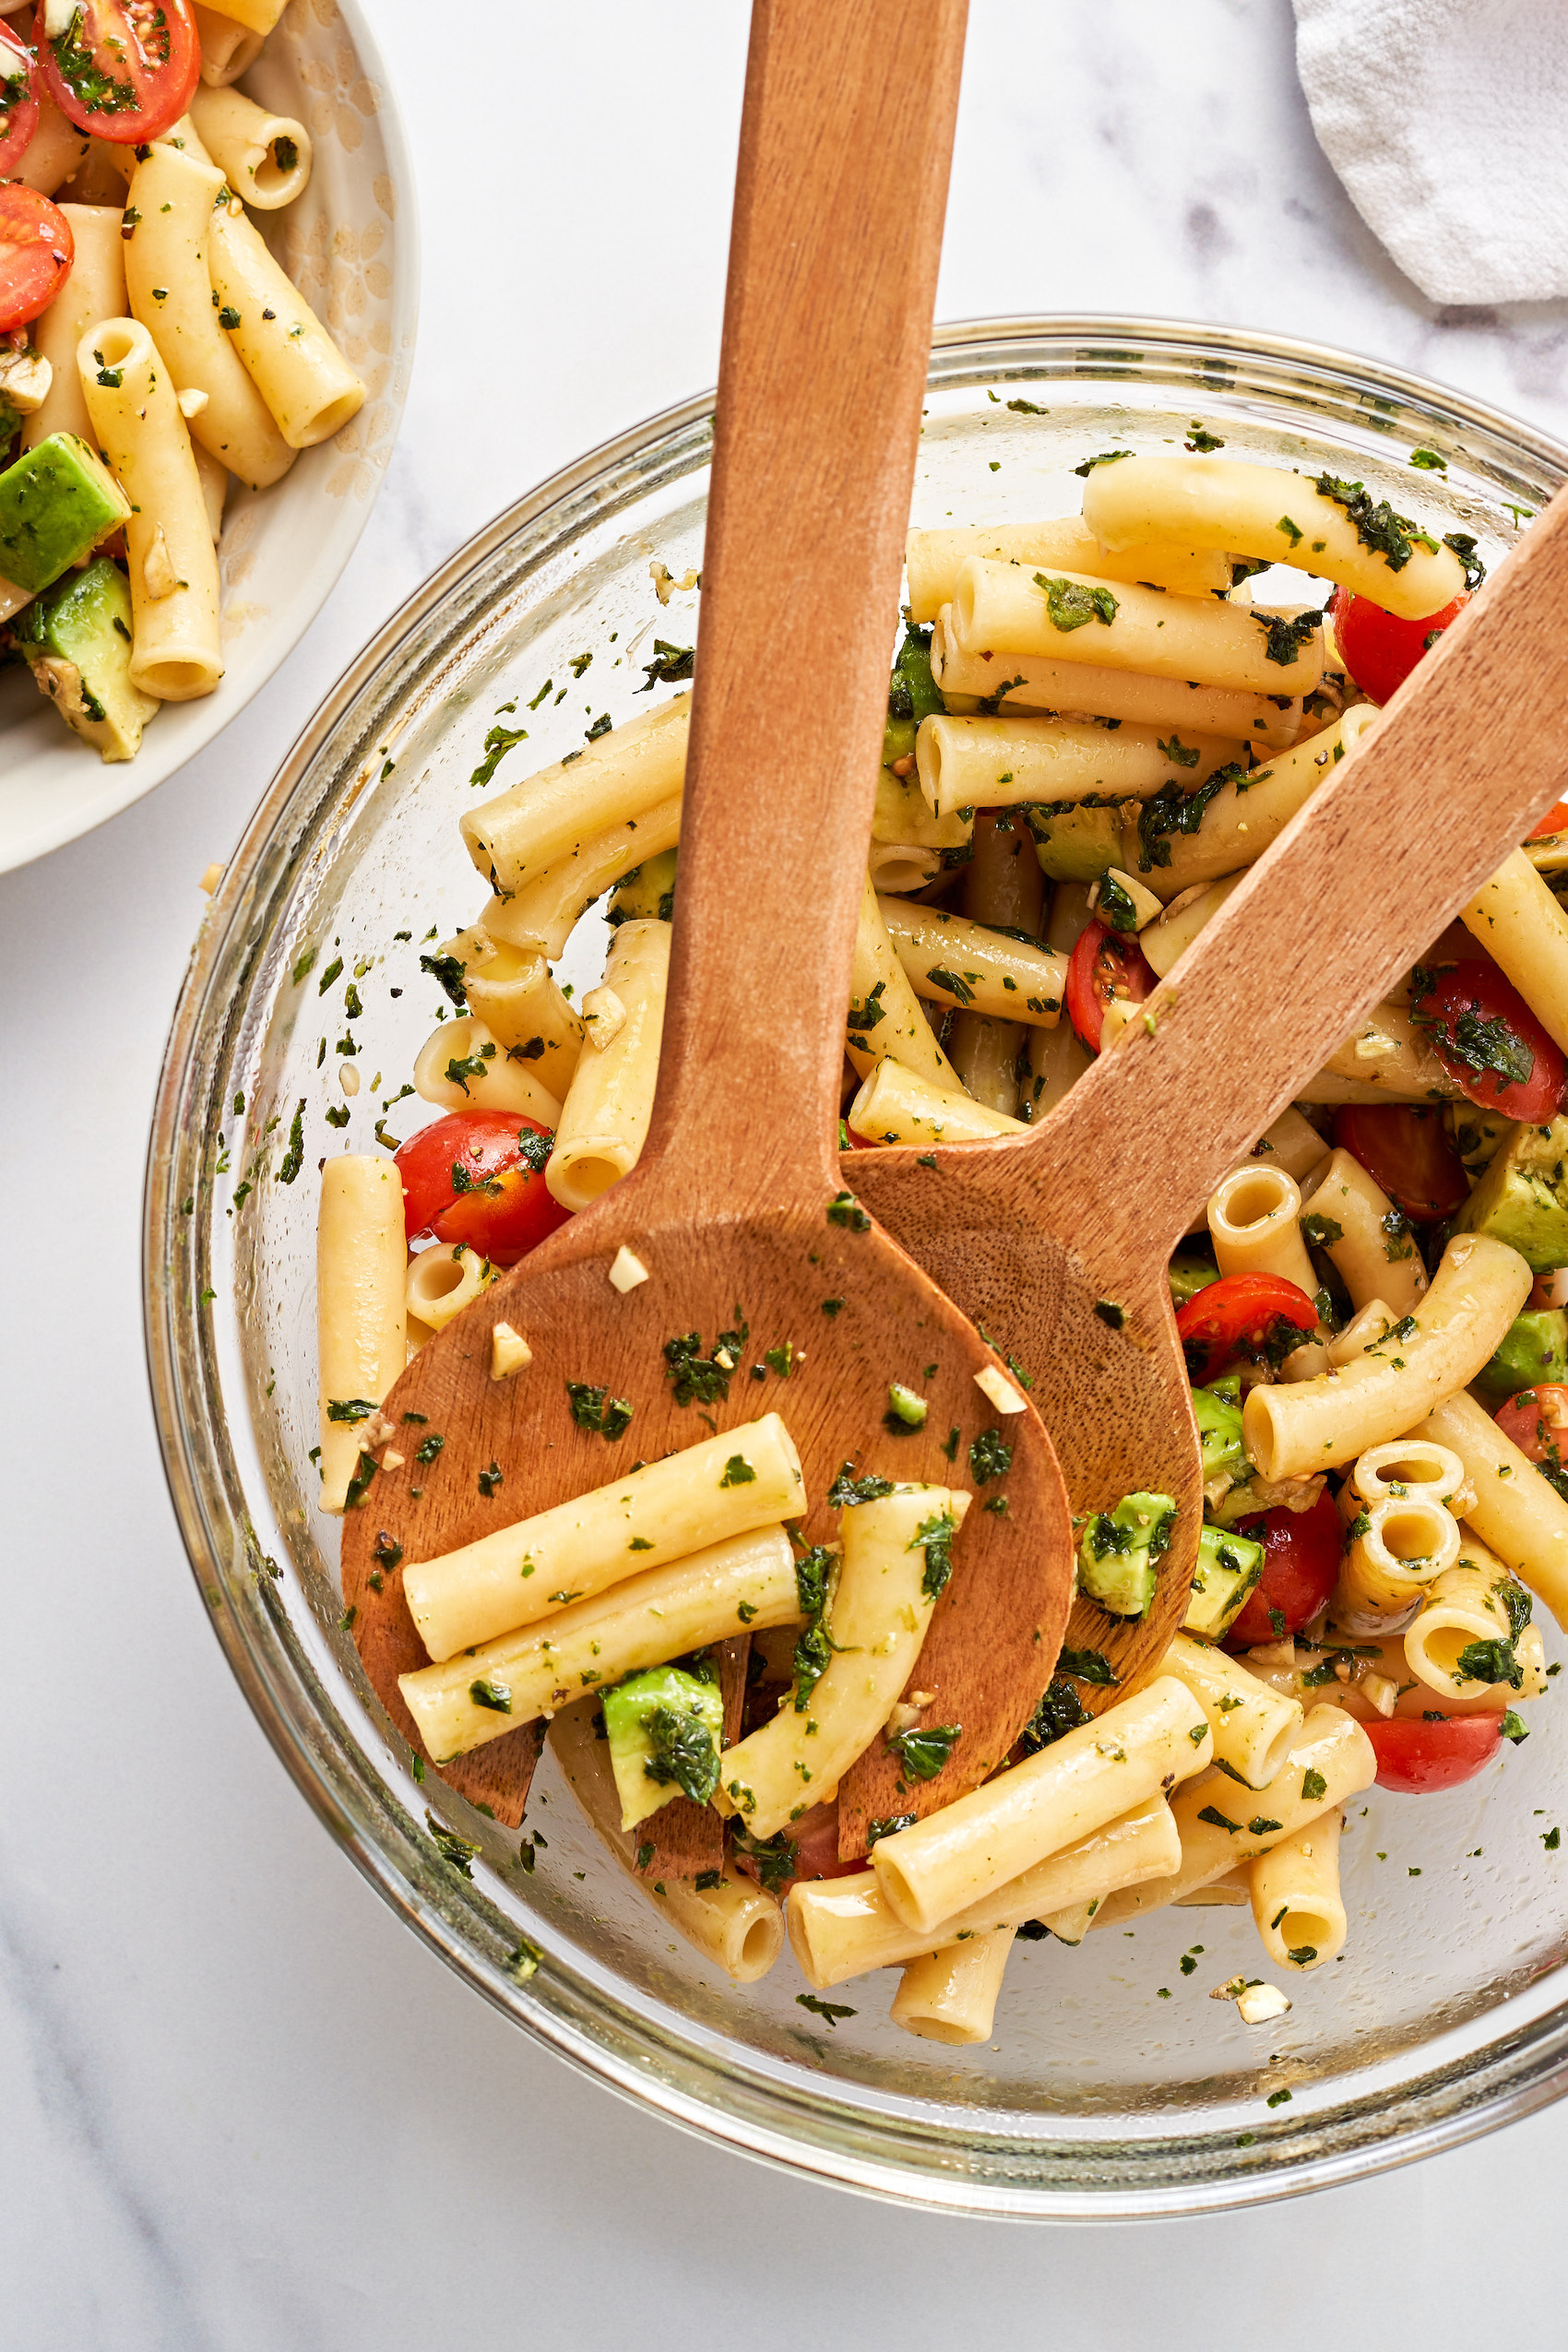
(1447, 121)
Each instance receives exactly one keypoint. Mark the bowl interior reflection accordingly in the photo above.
(1113, 2084)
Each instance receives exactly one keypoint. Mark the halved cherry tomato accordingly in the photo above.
(1409, 1153)
(477, 1176)
(1242, 1315)
(1300, 1568)
(1378, 649)
(1536, 1421)
(18, 100)
(1104, 966)
(123, 69)
(1417, 1756)
(1488, 1040)
(35, 250)
(1554, 821)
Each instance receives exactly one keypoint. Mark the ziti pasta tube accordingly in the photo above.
(1368, 1240)
(643, 1519)
(661, 1614)
(844, 1927)
(288, 355)
(884, 1018)
(893, 1567)
(1297, 1907)
(1245, 817)
(265, 157)
(950, 960)
(995, 763)
(604, 1120)
(545, 820)
(1296, 1427)
(136, 419)
(964, 1853)
(1330, 1759)
(1000, 609)
(94, 290)
(1252, 1726)
(359, 1256)
(170, 214)
(934, 559)
(950, 1996)
(895, 1107)
(1517, 1511)
(1086, 689)
(1525, 930)
(1265, 513)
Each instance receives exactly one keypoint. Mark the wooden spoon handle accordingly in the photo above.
(1472, 749)
(846, 141)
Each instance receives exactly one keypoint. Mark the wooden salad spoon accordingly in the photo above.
(1057, 1242)
(845, 147)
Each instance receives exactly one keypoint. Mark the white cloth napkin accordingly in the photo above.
(1447, 121)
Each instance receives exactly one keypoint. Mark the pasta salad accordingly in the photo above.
(1095, 726)
(152, 350)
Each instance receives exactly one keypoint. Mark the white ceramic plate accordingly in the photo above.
(350, 243)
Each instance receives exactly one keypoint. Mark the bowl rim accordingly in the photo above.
(141, 776)
(834, 2134)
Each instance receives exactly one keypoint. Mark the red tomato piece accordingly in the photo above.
(1300, 1568)
(1104, 965)
(1417, 1756)
(35, 250)
(18, 100)
(1240, 1315)
(123, 69)
(1550, 1289)
(477, 1176)
(1378, 649)
(1489, 1040)
(1409, 1153)
(1554, 821)
(1536, 1421)
(814, 1838)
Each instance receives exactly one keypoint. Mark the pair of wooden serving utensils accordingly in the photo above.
(1056, 1242)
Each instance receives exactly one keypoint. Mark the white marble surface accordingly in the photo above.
(242, 2106)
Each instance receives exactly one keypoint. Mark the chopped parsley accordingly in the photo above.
(847, 1490)
(923, 1753)
(1392, 536)
(671, 664)
(888, 1825)
(1073, 604)
(596, 1410)
(830, 2010)
(448, 971)
(705, 1379)
(1060, 1711)
(935, 1537)
(991, 1456)
(844, 1209)
(1088, 1666)
(1106, 457)
(293, 1159)
(738, 1471)
(682, 1751)
(488, 1693)
(1288, 637)
(459, 1851)
(497, 743)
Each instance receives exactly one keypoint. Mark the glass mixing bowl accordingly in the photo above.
(1113, 2087)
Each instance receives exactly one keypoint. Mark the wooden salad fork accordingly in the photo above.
(1057, 1242)
(735, 1208)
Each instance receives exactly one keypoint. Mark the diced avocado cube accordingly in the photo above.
(1120, 1552)
(666, 1732)
(1533, 1348)
(648, 893)
(1189, 1273)
(1228, 1567)
(56, 503)
(1217, 1411)
(77, 639)
(1523, 1197)
(1080, 843)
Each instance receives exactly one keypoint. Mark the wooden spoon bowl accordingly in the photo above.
(732, 1208)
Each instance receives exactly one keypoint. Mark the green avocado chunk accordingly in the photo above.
(1080, 843)
(1228, 1567)
(56, 503)
(76, 639)
(1120, 1552)
(1523, 1197)
(1217, 1411)
(666, 1732)
(1533, 1348)
(1189, 1273)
